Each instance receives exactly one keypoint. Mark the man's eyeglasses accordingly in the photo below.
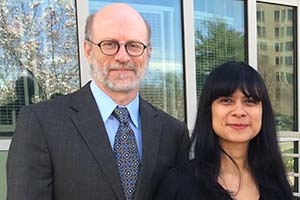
(111, 47)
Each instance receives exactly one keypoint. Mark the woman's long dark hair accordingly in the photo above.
(264, 156)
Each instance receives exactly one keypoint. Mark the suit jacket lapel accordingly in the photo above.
(151, 131)
(87, 119)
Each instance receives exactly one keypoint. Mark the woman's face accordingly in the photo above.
(236, 118)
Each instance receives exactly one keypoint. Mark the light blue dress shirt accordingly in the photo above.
(106, 106)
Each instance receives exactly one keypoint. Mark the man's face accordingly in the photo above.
(120, 72)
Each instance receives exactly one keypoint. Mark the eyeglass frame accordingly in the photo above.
(119, 46)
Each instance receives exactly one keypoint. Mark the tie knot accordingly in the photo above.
(122, 114)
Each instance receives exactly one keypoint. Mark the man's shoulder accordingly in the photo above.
(57, 104)
(62, 100)
(57, 101)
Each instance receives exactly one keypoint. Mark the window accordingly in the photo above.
(276, 15)
(280, 80)
(283, 15)
(289, 60)
(289, 31)
(39, 56)
(281, 60)
(289, 46)
(276, 31)
(261, 31)
(282, 95)
(282, 31)
(277, 47)
(290, 14)
(282, 44)
(260, 16)
(277, 77)
(219, 35)
(277, 62)
(289, 78)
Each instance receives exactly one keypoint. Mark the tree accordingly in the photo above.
(218, 44)
(41, 38)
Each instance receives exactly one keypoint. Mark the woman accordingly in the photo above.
(236, 151)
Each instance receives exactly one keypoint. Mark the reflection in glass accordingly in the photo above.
(38, 55)
(276, 63)
(219, 35)
(163, 84)
(23, 92)
(277, 67)
(290, 153)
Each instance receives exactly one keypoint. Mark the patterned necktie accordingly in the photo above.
(126, 153)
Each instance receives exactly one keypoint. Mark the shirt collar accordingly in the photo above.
(107, 108)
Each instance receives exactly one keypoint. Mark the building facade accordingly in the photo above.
(41, 56)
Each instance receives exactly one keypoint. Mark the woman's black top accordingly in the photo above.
(182, 184)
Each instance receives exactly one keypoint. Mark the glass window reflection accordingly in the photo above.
(219, 34)
(38, 55)
(281, 87)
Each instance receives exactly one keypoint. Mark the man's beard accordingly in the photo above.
(101, 75)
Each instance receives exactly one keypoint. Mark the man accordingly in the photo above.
(65, 149)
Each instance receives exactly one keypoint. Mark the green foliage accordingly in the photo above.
(289, 161)
(218, 44)
(284, 122)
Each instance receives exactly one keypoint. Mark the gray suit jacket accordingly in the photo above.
(60, 151)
